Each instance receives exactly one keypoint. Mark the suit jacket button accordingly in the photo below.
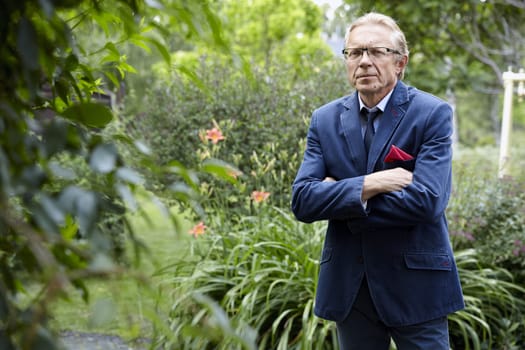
(360, 259)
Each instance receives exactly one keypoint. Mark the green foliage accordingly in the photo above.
(493, 316)
(488, 214)
(272, 32)
(264, 120)
(487, 227)
(51, 110)
(262, 271)
(470, 40)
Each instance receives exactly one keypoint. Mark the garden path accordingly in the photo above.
(73, 340)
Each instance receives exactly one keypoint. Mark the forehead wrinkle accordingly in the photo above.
(378, 33)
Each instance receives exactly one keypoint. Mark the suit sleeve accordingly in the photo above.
(313, 199)
(426, 199)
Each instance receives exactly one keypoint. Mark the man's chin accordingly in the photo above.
(367, 88)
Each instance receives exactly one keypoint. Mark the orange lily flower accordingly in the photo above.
(215, 135)
(198, 229)
(259, 196)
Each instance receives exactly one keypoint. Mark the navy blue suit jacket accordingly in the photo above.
(400, 241)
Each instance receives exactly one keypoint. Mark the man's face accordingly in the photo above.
(373, 76)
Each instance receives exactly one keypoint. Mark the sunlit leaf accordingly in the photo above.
(129, 175)
(69, 229)
(85, 208)
(104, 157)
(155, 4)
(127, 196)
(220, 169)
(142, 147)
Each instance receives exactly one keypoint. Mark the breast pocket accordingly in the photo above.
(405, 164)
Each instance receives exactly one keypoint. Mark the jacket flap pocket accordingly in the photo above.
(428, 261)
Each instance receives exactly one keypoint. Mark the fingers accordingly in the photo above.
(386, 181)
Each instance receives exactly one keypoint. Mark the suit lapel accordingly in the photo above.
(351, 128)
(388, 124)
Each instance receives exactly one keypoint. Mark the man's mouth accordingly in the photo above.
(365, 76)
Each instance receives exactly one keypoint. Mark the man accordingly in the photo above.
(387, 269)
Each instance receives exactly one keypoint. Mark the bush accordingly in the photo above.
(263, 273)
(487, 214)
(494, 307)
(264, 113)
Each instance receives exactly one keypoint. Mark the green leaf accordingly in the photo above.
(90, 114)
(104, 158)
(127, 196)
(129, 175)
(142, 147)
(162, 49)
(71, 62)
(69, 229)
(112, 49)
(189, 176)
(83, 204)
(220, 169)
(27, 44)
(53, 210)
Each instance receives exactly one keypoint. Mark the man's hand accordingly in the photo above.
(385, 181)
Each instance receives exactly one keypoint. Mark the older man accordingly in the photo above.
(377, 166)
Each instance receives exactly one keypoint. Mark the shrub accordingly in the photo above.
(495, 307)
(487, 214)
(264, 113)
(263, 273)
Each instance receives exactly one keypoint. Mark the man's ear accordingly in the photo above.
(401, 63)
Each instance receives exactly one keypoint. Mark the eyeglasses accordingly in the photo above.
(355, 53)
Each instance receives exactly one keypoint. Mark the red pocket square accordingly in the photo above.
(396, 154)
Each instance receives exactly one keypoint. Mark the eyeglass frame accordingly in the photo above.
(346, 50)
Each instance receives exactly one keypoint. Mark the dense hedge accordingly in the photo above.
(265, 112)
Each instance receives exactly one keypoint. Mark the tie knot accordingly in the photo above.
(369, 115)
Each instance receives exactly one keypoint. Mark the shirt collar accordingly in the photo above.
(381, 105)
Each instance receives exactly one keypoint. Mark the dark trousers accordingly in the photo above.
(363, 330)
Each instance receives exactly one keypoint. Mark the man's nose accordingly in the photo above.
(365, 58)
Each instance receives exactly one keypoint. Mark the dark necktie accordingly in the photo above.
(370, 131)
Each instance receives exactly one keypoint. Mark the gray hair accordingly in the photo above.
(398, 37)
